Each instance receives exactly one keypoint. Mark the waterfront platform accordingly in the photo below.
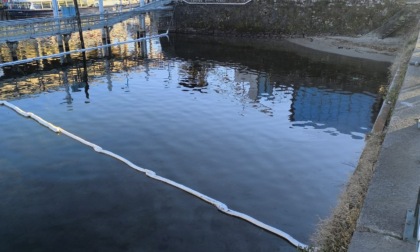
(30, 28)
(395, 185)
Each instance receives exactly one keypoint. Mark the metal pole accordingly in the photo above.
(82, 42)
(101, 17)
(101, 8)
(57, 23)
(55, 8)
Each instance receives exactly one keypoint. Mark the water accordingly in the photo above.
(270, 129)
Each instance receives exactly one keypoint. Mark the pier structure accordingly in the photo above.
(13, 31)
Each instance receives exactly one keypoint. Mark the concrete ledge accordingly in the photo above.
(373, 242)
(396, 181)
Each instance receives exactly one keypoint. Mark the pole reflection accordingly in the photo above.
(104, 62)
(261, 79)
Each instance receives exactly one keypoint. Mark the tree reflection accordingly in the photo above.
(194, 76)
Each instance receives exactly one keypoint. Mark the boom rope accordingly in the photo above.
(219, 205)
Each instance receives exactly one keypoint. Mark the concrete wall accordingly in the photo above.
(280, 17)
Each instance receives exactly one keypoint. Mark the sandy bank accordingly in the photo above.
(366, 47)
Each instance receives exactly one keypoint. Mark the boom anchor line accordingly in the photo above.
(151, 174)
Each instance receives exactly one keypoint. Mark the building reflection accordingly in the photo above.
(310, 105)
(346, 112)
(337, 94)
(322, 97)
(259, 84)
(314, 106)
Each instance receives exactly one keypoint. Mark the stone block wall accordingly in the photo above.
(285, 18)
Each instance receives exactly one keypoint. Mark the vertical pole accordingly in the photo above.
(82, 42)
(60, 43)
(101, 8)
(108, 35)
(104, 34)
(68, 98)
(142, 32)
(106, 40)
(61, 48)
(57, 23)
(416, 215)
(55, 8)
(67, 38)
(1, 68)
(38, 53)
(13, 45)
(101, 17)
(108, 73)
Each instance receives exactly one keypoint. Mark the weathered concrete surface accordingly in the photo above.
(396, 180)
(378, 242)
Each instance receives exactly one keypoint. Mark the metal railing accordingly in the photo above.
(217, 2)
(412, 225)
(16, 30)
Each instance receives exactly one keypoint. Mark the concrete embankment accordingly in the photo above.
(395, 184)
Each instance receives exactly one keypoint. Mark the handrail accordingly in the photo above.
(412, 225)
(216, 2)
(16, 30)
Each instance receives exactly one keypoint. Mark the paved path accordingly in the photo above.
(396, 181)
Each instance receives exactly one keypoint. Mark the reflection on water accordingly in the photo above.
(342, 97)
(242, 122)
(342, 112)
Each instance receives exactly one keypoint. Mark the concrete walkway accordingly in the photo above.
(396, 181)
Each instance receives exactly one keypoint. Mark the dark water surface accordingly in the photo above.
(270, 129)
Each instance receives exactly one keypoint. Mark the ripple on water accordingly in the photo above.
(250, 138)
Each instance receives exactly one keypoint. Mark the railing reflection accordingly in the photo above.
(321, 101)
(41, 75)
(337, 112)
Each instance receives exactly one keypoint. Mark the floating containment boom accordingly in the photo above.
(219, 205)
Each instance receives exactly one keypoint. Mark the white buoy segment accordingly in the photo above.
(219, 205)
